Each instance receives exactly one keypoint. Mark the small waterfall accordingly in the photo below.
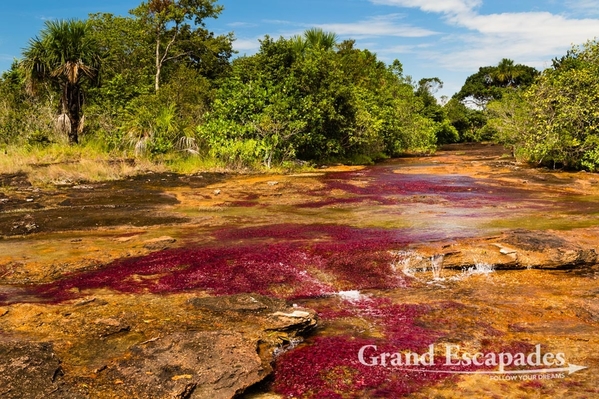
(480, 268)
(437, 266)
(404, 261)
(353, 296)
(286, 347)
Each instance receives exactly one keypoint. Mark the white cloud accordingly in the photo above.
(403, 49)
(278, 22)
(372, 27)
(589, 7)
(377, 26)
(533, 38)
(449, 7)
(242, 25)
(246, 45)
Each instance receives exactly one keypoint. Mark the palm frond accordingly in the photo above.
(188, 144)
(317, 38)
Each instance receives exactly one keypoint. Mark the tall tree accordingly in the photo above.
(431, 109)
(490, 82)
(127, 61)
(176, 26)
(506, 73)
(65, 56)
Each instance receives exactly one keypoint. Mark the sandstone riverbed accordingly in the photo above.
(268, 286)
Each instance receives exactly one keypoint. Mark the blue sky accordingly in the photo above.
(448, 39)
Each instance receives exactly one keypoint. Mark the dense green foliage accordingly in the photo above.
(490, 82)
(445, 131)
(556, 120)
(298, 98)
(467, 108)
(159, 84)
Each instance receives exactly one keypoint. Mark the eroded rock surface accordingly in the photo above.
(519, 249)
(209, 348)
(167, 286)
(29, 370)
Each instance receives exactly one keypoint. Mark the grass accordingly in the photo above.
(61, 164)
(192, 164)
(64, 164)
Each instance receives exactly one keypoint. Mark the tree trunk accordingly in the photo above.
(74, 105)
(158, 62)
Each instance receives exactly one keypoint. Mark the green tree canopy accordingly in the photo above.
(177, 29)
(314, 39)
(556, 120)
(490, 82)
(426, 89)
(320, 103)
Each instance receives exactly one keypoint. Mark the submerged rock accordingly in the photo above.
(160, 243)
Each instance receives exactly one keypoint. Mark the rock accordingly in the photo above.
(109, 326)
(194, 365)
(124, 239)
(291, 322)
(200, 362)
(518, 249)
(239, 303)
(28, 370)
(295, 314)
(216, 192)
(298, 321)
(202, 347)
(272, 183)
(160, 243)
(534, 240)
(505, 250)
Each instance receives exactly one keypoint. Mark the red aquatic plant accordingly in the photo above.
(325, 233)
(269, 269)
(357, 265)
(286, 260)
(330, 368)
(358, 258)
(383, 186)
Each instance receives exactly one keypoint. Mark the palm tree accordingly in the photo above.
(314, 39)
(506, 73)
(64, 55)
(319, 39)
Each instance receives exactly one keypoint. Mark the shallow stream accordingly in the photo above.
(462, 253)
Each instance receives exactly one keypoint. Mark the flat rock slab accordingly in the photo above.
(28, 370)
(194, 365)
(517, 249)
(105, 347)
